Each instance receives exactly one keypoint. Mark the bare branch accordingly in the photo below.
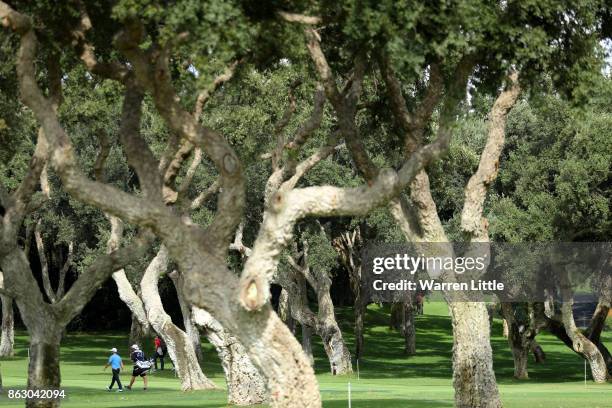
(232, 196)
(98, 167)
(413, 126)
(44, 265)
(138, 153)
(312, 124)
(100, 270)
(205, 195)
(472, 221)
(287, 207)
(186, 182)
(306, 165)
(174, 167)
(105, 197)
(204, 95)
(59, 293)
(323, 69)
(238, 245)
(277, 153)
(345, 108)
(113, 70)
(299, 18)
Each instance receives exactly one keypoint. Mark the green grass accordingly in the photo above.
(388, 379)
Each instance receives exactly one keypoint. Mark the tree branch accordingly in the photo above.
(59, 293)
(472, 221)
(232, 195)
(204, 95)
(105, 197)
(44, 266)
(138, 153)
(299, 18)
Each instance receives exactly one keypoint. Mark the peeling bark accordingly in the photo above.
(284, 310)
(473, 375)
(180, 346)
(348, 246)
(245, 385)
(324, 322)
(190, 328)
(580, 343)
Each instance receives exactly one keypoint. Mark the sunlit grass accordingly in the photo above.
(387, 378)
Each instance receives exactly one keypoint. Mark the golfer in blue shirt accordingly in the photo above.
(116, 365)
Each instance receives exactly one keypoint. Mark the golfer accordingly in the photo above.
(141, 366)
(159, 351)
(116, 364)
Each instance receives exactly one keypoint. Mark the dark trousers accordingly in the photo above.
(116, 378)
(161, 359)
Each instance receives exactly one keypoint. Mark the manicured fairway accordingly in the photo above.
(387, 379)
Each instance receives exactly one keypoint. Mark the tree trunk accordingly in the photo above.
(518, 344)
(324, 322)
(348, 246)
(44, 368)
(180, 346)
(408, 329)
(359, 311)
(138, 333)
(245, 385)
(520, 356)
(284, 310)
(190, 328)
(473, 375)
(307, 342)
(335, 348)
(582, 345)
(8, 331)
(505, 329)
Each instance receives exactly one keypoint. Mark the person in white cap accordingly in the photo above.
(116, 364)
(141, 366)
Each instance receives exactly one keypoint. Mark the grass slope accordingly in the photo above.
(387, 378)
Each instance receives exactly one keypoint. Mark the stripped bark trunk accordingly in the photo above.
(505, 329)
(284, 310)
(473, 375)
(324, 322)
(245, 384)
(190, 328)
(348, 246)
(598, 320)
(140, 327)
(580, 343)
(7, 341)
(180, 346)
